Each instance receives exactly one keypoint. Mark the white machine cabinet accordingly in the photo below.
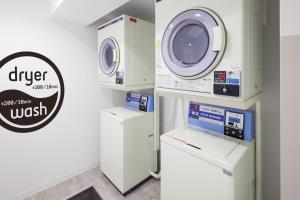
(127, 150)
(200, 166)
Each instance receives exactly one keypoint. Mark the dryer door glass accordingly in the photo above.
(108, 58)
(189, 43)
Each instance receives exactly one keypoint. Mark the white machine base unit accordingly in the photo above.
(127, 147)
(196, 165)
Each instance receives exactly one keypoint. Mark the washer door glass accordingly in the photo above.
(189, 43)
(108, 58)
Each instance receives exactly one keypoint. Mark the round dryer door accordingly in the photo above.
(109, 56)
(193, 43)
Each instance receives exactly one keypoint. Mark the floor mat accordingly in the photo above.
(88, 194)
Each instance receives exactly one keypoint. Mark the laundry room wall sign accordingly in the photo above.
(31, 91)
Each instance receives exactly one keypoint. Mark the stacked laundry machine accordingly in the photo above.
(210, 50)
(126, 61)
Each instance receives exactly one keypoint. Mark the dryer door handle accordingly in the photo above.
(115, 55)
(219, 38)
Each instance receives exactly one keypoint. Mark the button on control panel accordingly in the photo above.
(227, 90)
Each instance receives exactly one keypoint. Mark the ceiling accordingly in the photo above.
(87, 12)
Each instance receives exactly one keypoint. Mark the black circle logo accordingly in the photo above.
(31, 91)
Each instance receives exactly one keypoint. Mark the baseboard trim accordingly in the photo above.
(53, 183)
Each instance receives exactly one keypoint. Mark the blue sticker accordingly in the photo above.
(233, 81)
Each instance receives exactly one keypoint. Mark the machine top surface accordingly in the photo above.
(124, 113)
(212, 144)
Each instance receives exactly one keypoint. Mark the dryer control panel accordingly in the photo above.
(227, 83)
(119, 77)
(231, 122)
(137, 101)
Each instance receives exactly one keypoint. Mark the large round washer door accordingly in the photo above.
(193, 43)
(109, 56)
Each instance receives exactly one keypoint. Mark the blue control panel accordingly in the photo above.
(137, 101)
(231, 122)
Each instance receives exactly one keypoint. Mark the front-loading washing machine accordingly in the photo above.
(126, 52)
(209, 48)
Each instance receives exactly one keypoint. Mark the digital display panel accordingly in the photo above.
(220, 76)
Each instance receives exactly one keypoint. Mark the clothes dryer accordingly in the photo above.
(126, 52)
(209, 48)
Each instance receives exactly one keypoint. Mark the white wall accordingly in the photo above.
(289, 15)
(70, 143)
(289, 121)
(289, 99)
